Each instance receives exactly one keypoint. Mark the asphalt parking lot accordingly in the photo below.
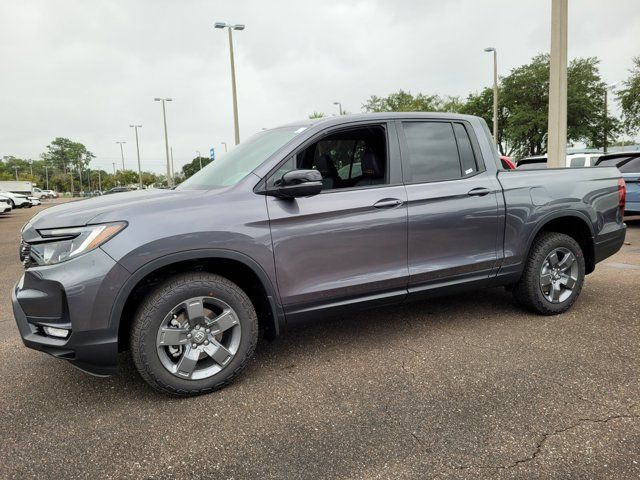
(467, 386)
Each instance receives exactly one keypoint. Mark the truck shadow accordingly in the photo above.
(365, 332)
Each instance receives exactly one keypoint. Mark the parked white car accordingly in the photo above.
(582, 159)
(35, 201)
(39, 194)
(17, 200)
(573, 160)
(51, 193)
(5, 204)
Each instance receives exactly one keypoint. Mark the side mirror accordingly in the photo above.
(298, 183)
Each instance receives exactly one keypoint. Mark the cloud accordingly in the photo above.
(86, 70)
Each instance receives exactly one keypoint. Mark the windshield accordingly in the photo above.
(241, 160)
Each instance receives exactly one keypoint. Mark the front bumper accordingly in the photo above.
(76, 295)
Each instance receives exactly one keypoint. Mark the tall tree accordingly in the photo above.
(525, 100)
(193, 166)
(402, 101)
(629, 98)
(481, 105)
(68, 156)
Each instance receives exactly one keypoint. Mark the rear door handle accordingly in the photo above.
(479, 192)
(388, 203)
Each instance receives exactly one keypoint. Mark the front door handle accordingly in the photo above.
(388, 203)
(479, 192)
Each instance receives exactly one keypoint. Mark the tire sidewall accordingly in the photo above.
(551, 244)
(169, 295)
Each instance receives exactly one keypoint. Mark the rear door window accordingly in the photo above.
(432, 151)
(467, 157)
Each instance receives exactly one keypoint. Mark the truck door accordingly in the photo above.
(452, 205)
(347, 244)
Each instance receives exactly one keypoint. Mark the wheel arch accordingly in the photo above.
(573, 223)
(237, 267)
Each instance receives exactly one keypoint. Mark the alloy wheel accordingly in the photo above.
(198, 338)
(559, 275)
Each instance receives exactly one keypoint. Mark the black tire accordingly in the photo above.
(528, 291)
(153, 311)
(13, 205)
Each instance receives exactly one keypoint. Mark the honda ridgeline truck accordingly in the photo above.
(299, 222)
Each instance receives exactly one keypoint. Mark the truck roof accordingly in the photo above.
(378, 116)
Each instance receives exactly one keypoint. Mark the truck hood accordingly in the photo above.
(104, 208)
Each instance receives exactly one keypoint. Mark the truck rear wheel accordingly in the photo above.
(194, 334)
(553, 275)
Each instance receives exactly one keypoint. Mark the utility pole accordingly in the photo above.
(31, 166)
(122, 153)
(114, 167)
(606, 116)
(557, 127)
(16, 169)
(173, 172)
(99, 180)
(199, 158)
(46, 173)
(136, 127)
(166, 138)
(495, 92)
(230, 27)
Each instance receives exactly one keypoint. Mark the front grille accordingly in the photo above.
(25, 253)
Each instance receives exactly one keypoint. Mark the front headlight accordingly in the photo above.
(62, 244)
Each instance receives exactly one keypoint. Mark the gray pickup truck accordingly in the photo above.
(299, 222)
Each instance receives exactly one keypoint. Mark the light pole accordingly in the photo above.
(225, 146)
(114, 168)
(199, 158)
(122, 153)
(31, 166)
(606, 116)
(173, 170)
(46, 174)
(99, 180)
(339, 107)
(16, 169)
(495, 92)
(166, 138)
(136, 127)
(230, 27)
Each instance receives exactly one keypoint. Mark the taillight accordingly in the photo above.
(622, 194)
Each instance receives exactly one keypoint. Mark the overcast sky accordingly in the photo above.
(87, 69)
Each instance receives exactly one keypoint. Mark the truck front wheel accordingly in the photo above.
(194, 334)
(553, 275)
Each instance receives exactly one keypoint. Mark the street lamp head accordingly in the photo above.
(168, 99)
(219, 25)
(238, 27)
(336, 103)
(133, 126)
(490, 49)
(157, 99)
(611, 86)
